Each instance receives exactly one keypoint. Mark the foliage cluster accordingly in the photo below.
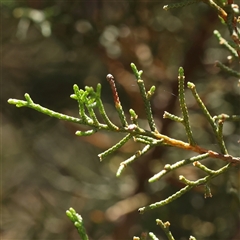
(93, 115)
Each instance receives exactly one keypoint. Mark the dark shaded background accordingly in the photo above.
(47, 46)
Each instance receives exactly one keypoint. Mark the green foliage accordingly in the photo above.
(90, 105)
(78, 223)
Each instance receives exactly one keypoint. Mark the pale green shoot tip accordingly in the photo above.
(181, 72)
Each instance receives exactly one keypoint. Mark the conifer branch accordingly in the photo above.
(139, 153)
(165, 227)
(115, 147)
(153, 236)
(227, 69)
(117, 102)
(78, 223)
(181, 89)
(102, 110)
(225, 43)
(145, 96)
(167, 200)
(209, 118)
(226, 117)
(179, 4)
(178, 164)
(89, 101)
(229, 16)
(172, 117)
(188, 187)
(133, 129)
(46, 111)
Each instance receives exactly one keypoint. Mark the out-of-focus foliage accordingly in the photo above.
(47, 46)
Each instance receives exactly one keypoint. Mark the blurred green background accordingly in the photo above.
(47, 46)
